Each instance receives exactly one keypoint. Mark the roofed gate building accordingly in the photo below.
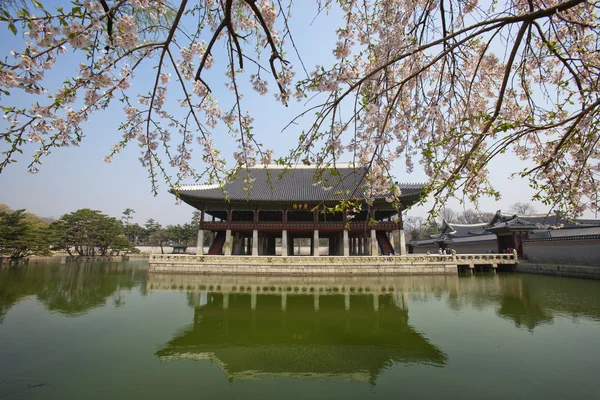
(264, 211)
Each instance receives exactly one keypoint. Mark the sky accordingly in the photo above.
(77, 177)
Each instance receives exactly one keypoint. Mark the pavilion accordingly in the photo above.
(262, 209)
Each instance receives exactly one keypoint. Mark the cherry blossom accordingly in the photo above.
(444, 86)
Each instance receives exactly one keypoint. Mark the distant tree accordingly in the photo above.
(474, 217)
(127, 215)
(190, 232)
(186, 233)
(196, 215)
(449, 215)
(416, 228)
(433, 228)
(522, 208)
(135, 233)
(159, 238)
(121, 244)
(89, 232)
(22, 235)
(175, 233)
(152, 226)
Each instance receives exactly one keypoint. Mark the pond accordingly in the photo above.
(98, 331)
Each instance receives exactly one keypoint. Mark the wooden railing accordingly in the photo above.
(299, 225)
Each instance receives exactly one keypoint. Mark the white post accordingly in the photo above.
(228, 243)
(374, 246)
(316, 301)
(376, 302)
(345, 244)
(255, 242)
(200, 245)
(253, 300)
(347, 302)
(284, 243)
(283, 301)
(402, 244)
(316, 248)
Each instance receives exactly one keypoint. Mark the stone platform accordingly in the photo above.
(332, 266)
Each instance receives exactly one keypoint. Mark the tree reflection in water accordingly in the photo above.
(70, 289)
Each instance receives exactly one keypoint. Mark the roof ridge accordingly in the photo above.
(477, 224)
(303, 166)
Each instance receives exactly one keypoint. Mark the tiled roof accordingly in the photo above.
(294, 184)
(587, 221)
(578, 231)
(476, 238)
(547, 220)
(514, 223)
(462, 230)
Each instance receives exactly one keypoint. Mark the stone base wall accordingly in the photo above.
(381, 265)
(222, 268)
(559, 270)
(567, 251)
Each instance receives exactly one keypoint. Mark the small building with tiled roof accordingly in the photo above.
(469, 238)
(263, 209)
(505, 233)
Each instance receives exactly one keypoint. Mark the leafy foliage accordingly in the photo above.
(89, 232)
(22, 234)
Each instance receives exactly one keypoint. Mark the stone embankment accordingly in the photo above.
(306, 266)
(572, 271)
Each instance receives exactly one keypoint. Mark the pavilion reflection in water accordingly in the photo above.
(352, 336)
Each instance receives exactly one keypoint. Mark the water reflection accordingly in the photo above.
(528, 301)
(409, 335)
(71, 289)
(319, 335)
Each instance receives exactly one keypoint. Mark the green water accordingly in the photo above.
(115, 331)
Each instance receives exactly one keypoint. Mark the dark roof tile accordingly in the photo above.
(294, 184)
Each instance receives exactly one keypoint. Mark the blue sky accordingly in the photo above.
(77, 177)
